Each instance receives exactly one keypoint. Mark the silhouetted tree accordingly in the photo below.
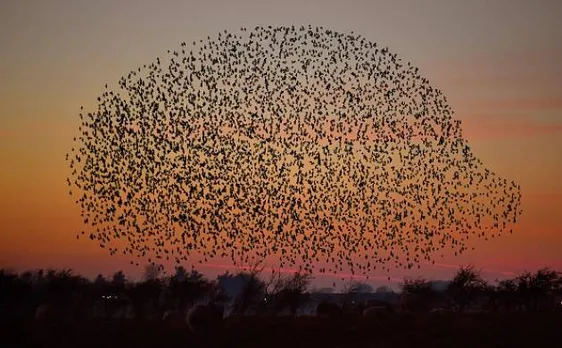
(75, 296)
(291, 293)
(15, 293)
(490, 292)
(418, 295)
(185, 289)
(196, 287)
(507, 297)
(60, 286)
(253, 291)
(216, 293)
(152, 272)
(180, 274)
(118, 282)
(466, 285)
(100, 280)
(535, 289)
(145, 295)
(62, 291)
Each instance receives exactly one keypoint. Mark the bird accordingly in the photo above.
(321, 149)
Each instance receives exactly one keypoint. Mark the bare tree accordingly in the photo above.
(253, 291)
(292, 292)
(465, 286)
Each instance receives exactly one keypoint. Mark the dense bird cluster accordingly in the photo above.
(313, 147)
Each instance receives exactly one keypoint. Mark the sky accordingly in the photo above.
(497, 62)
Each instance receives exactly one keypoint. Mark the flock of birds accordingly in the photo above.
(315, 148)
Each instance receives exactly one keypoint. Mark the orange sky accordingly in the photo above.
(498, 65)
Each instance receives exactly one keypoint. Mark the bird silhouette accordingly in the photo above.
(320, 148)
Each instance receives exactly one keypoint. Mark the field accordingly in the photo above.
(398, 330)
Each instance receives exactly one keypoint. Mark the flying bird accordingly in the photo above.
(320, 148)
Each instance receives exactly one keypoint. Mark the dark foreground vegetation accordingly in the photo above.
(60, 309)
(397, 330)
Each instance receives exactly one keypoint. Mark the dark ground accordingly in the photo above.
(399, 330)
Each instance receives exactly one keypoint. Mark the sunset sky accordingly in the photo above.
(497, 62)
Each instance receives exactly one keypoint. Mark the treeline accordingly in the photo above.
(538, 291)
(22, 293)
